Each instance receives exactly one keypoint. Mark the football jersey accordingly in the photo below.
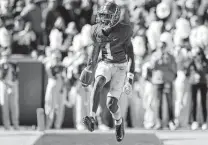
(114, 46)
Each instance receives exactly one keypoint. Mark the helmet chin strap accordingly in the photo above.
(107, 30)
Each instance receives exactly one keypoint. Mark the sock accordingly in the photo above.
(93, 114)
(117, 116)
(118, 122)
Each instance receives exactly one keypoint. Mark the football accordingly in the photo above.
(86, 77)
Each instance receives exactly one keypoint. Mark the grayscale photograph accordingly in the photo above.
(103, 72)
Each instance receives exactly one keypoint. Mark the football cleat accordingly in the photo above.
(89, 123)
(120, 131)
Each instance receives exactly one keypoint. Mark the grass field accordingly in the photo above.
(133, 137)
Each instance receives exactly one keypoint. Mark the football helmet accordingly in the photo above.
(109, 14)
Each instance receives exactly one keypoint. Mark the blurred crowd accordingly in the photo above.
(170, 43)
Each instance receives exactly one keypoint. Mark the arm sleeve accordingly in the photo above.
(130, 51)
(130, 56)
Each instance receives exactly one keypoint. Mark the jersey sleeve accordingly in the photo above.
(128, 34)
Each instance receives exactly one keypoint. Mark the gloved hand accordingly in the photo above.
(127, 89)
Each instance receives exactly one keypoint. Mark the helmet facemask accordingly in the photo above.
(107, 17)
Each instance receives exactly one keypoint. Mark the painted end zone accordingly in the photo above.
(96, 138)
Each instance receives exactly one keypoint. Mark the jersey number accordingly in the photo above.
(109, 55)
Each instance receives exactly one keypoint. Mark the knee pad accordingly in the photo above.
(112, 104)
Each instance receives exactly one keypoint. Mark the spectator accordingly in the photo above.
(32, 13)
(86, 12)
(182, 32)
(6, 31)
(74, 10)
(9, 99)
(163, 74)
(70, 32)
(50, 15)
(149, 100)
(197, 72)
(139, 37)
(57, 36)
(199, 34)
(55, 93)
(182, 53)
(191, 8)
(68, 62)
(159, 26)
(202, 10)
(25, 40)
(5, 8)
(18, 8)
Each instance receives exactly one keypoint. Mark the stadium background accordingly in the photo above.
(32, 75)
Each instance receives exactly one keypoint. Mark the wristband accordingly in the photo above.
(130, 75)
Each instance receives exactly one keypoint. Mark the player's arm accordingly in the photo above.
(131, 62)
(93, 57)
(95, 51)
(131, 68)
(86, 76)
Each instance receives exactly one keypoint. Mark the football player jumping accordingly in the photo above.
(113, 38)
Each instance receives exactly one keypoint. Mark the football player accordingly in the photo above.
(111, 37)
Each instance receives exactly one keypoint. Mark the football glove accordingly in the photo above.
(127, 89)
(86, 77)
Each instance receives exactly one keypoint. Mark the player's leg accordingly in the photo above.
(102, 76)
(49, 108)
(100, 81)
(14, 104)
(103, 118)
(5, 105)
(60, 111)
(98, 85)
(194, 89)
(158, 89)
(169, 97)
(124, 102)
(116, 88)
(115, 109)
(203, 90)
(180, 90)
(149, 103)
